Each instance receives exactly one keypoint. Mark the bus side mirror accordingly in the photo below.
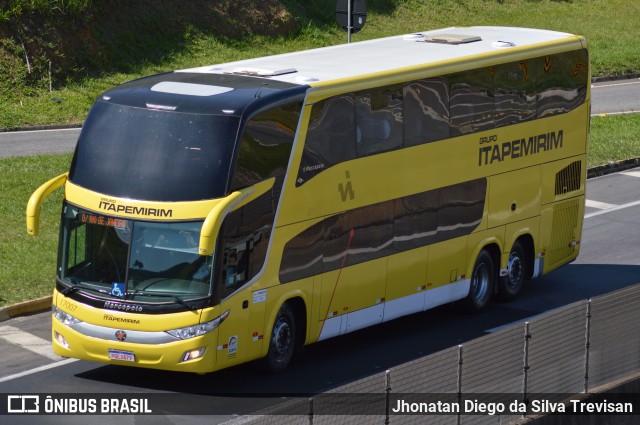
(36, 199)
(213, 222)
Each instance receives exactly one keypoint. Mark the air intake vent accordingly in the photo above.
(451, 38)
(568, 179)
(262, 72)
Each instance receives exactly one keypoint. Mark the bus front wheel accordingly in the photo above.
(482, 282)
(282, 340)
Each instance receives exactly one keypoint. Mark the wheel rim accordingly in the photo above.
(480, 282)
(515, 272)
(281, 339)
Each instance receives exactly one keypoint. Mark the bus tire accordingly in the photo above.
(282, 341)
(482, 283)
(509, 286)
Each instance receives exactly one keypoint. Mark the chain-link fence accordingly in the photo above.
(564, 352)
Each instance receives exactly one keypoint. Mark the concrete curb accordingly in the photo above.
(40, 127)
(601, 79)
(26, 307)
(613, 167)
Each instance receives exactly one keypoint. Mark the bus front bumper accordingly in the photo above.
(196, 355)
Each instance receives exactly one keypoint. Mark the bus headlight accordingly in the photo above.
(192, 355)
(61, 339)
(64, 317)
(200, 329)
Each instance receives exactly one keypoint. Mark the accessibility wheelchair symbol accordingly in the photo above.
(117, 289)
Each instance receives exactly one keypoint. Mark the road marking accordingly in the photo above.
(593, 86)
(514, 323)
(599, 205)
(241, 420)
(631, 173)
(29, 342)
(618, 208)
(606, 114)
(38, 369)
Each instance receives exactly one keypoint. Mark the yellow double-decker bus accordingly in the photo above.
(227, 213)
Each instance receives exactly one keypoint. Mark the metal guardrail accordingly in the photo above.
(567, 351)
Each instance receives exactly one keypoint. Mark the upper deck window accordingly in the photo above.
(154, 155)
(265, 145)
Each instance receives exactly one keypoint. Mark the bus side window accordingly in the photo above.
(563, 83)
(379, 120)
(515, 92)
(331, 136)
(265, 145)
(245, 238)
(303, 255)
(426, 111)
(471, 101)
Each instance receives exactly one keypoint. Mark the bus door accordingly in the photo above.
(233, 336)
(242, 252)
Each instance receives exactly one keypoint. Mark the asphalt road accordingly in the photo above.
(38, 142)
(609, 260)
(610, 97)
(614, 97)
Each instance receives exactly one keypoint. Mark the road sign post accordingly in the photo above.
(351, 15)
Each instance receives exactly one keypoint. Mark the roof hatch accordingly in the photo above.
(445, 38)
(263, 72)
(189, 89)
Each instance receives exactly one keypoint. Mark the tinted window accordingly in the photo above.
(244, 243)
(377, 230)
(563, 82)
(471, 101)
(515, 94)
(331, 136)
(265, 145)
(423, 111)
(426, 111)
(154, 155)
(378, 120)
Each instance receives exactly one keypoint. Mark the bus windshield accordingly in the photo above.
(133, 260)
(154, 155)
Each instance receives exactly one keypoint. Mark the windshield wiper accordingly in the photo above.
(163, 295)
(77, 285)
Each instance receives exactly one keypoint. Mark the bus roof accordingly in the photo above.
(410, 51)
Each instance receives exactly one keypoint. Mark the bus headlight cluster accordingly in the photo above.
(200, 329)
(64, 317)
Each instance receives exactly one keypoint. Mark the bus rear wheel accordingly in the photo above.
(482, 283)
(509, 286)
(282, 340)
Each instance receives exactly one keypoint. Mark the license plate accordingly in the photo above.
(123, 356)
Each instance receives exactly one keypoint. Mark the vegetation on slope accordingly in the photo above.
(57, 56)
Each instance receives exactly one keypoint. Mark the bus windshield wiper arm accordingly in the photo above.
(77, 285)
(165, 295)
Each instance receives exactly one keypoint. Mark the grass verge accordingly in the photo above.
(614, 138)
(28, 264)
